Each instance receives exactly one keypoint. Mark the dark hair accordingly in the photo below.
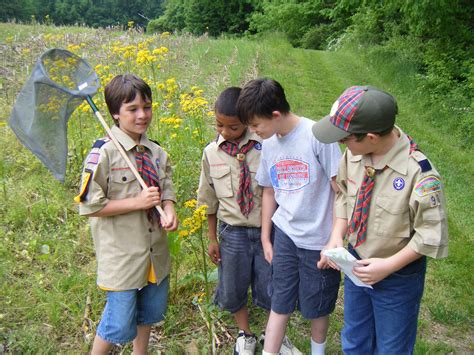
(226, 103)
(260, 97)
(360, 136)
(123, 89)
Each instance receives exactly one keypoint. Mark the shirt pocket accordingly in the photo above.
(392, 217)
(222, 180)
(123, 184)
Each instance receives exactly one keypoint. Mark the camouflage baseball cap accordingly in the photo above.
(360, 109)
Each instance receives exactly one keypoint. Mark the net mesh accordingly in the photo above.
(59, 82)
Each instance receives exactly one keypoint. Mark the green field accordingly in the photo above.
(49, 299)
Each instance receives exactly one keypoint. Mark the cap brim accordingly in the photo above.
(326, 132)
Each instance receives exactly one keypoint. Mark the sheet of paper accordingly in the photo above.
(346, 261)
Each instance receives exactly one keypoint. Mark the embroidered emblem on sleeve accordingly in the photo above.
(427, 185)
(93, 158)
(435, 200)
(86, 177)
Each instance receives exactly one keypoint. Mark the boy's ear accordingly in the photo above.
(276, 114)
(373, 138)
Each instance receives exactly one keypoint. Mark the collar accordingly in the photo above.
(246, 138)
(127, 142)
(396, 158)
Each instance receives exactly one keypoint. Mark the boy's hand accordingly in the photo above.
(268, 251)
(372, 270)
(325, 262)
(214, 252)
(149, 197)
(171, 217)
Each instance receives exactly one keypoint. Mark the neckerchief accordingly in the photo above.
(147, 171)
(244, 194)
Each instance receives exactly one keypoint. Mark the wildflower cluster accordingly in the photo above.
(194, 223)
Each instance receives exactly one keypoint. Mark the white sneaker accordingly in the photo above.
(245, 344)
(287, 348)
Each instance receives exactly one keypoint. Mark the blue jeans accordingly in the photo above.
(242, 265)
(125, 310)
(383, 320)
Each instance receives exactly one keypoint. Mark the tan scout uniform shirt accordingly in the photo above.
(219, 183)
(125, 244)
(407, 207)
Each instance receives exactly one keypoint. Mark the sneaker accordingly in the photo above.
(287, 348)
(245, 344)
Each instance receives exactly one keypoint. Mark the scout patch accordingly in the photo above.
(427, 186)
(258, 146)
(86, 177)
(434, 200)
(398, 183)
(93, 158)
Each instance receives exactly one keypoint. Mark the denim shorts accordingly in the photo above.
(242, 265)
(297, 281)
(125, 310)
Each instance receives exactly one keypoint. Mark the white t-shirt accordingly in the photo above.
(299, 168)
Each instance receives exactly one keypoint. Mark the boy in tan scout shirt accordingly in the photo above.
(228, 187)
(133, 261)
(391, 208)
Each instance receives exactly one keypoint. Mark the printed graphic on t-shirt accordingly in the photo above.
(289, 174)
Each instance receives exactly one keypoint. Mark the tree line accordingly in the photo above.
(92, 13)
(434, 36)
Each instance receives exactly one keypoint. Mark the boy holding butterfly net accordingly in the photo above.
(129, 235)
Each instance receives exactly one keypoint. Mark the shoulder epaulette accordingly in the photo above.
(156, 142)
(100, 142)
(424, 163)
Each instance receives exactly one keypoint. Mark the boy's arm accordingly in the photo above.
(268, 209)
(336, 240)
(213, 247)
(147, 198)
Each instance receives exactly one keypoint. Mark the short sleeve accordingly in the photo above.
(167, 186)
(428, 208)
(329, 156)
(206, 193)
(263, 174)
(94, 182)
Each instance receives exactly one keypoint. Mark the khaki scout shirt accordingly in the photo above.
(407, 207)
(219, 182)
(125, 244)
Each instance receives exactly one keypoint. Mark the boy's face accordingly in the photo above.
(264, 127)
(229, 127)
(361, 147)
(134, 117)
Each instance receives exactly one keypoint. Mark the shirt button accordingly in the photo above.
(124, 178)
(150, 230)
(151, 249)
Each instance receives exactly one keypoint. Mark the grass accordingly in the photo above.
(47, 269)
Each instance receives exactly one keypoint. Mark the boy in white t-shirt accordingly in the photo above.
(297, 174)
